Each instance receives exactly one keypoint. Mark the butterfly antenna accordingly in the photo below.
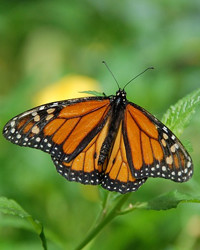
(137, 76)
(111, 73)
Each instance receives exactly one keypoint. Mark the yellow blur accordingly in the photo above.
(67, 87)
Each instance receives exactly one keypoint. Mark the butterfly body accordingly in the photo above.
(118, 105)
(103, 140)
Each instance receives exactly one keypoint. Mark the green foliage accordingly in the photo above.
(92, 92)
(11, 207)
(163, 202)
(168, 201)
(73, 37)
(179, 115)
(112, 204)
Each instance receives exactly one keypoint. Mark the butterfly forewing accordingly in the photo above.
(153, 150)
(62, 129)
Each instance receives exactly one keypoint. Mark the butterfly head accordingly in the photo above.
(121, 95)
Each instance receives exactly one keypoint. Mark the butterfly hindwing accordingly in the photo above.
(114, 175)
(153, 150)
(84, 168)
(62, 129)
(118, 176)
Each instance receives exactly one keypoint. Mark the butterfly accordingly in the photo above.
(103, 140)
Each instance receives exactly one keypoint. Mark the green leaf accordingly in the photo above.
(168, 201)
(92, 92)
(11, 207)
(179, 115)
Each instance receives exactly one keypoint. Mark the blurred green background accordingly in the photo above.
(43, 41)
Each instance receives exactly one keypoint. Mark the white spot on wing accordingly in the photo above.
(49, 117)
(34, 113)
(165, 129)
(12, 124)
(38, 139)
(35, 130)
(41, 108)
(169, 160)
(12, 130)
(51, 110)
(173, 137)
(165, 136)
(173, 148)
(18, 136)
(37, 118)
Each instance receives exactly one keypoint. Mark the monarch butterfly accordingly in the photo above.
(104, 140)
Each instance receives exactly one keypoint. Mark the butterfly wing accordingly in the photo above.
(73, 132)
(118, 176)
(84, 168)
(114, 175)
(62, 129)
(152, 149)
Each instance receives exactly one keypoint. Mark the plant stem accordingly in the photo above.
(104, 209)
(43, 239)
(115, 211)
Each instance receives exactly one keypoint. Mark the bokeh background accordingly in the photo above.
(51, 50)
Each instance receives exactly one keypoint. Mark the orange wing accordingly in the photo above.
(118, 176)
(63, 129)
(115, 175)
(84, 167)
(152, 149)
